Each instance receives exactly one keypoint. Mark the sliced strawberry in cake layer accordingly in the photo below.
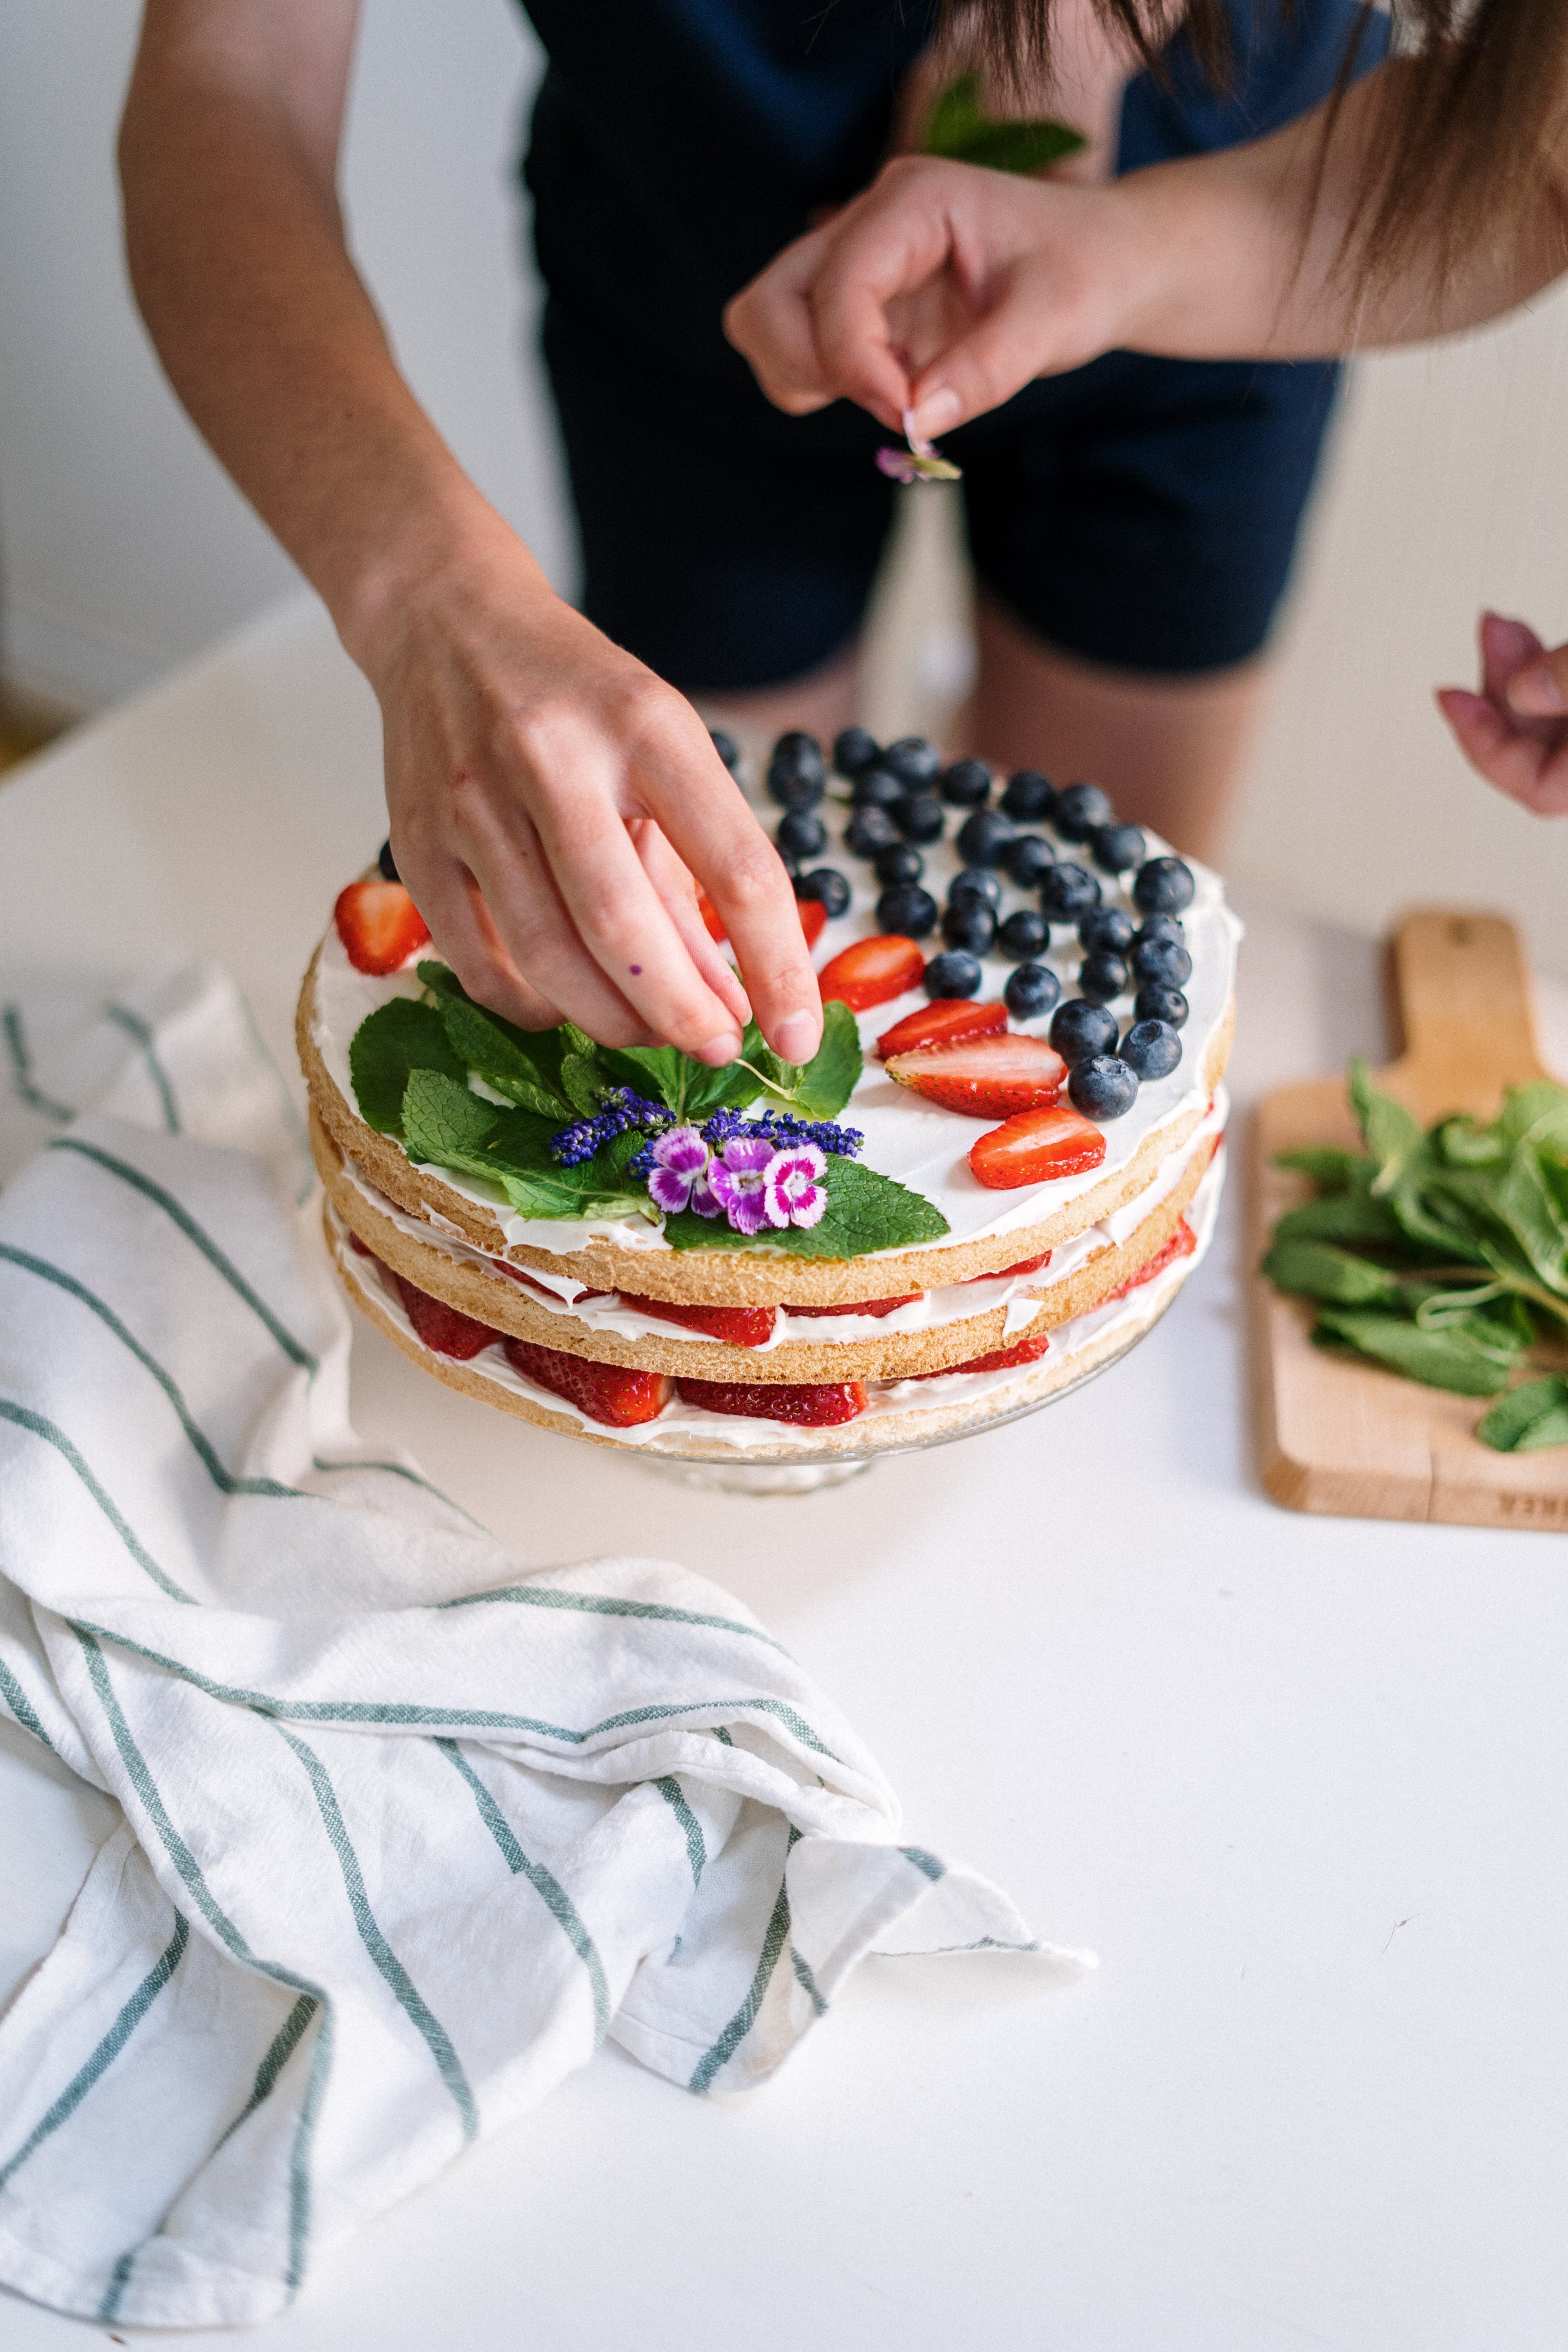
(1000, 1360)
(877, 1307)
(986, 1077)
(873, 971)
(379, 925)
(1182, 1243)
(613, 1393)
(1007, 1273)
(742, 1327)
(1036, 1147)
(948, 1021)
(442, 1328)
(816, 1407)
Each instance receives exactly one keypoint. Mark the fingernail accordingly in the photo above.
(795, 1038)
(1535, 693)
(937, 413)
(721, 1049)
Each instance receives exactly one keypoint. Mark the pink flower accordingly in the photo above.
(918, 463)
(736, 1183)
(678, 1178)
(793, 1190)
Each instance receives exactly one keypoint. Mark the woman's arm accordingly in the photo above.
(547, 793)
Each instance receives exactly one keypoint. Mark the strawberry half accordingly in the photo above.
(813, 916)
(1003, 1273)
(1026, 1351)
(948, 1021)
(442, 1328)
(873, 970)
(1182, 1243)
(613, 1393)
(379, 925)
(819, 1407)
(859, 1305)
(987, 1077)
(742, 1326)
(1036, 1147)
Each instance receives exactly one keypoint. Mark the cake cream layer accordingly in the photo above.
(899, 1412)
(943, 1326)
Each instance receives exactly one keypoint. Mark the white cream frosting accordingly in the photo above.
(922, 1146)
(733, 1433)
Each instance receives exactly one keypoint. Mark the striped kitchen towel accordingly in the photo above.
(406, 1827)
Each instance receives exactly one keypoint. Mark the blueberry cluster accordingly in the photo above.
(618, 1110)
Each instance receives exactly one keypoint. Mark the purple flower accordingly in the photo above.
(793, 1190)
(736, 1182)
(679, 1172)
(918, 463)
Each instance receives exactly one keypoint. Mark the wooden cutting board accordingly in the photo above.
(1349, 1439)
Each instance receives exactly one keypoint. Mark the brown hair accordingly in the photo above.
(1468, 115)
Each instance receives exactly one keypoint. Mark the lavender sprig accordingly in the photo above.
(619, 1109)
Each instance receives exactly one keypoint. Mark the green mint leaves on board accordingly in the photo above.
(960, 130)
(1443, 1254)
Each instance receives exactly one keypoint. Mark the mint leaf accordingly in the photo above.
(960, 130)
(397, 1038)
(864, 1212)
(489, 1046)
(572, 1192)
(818, 1089)
(1348, 1216)
(1331, 1170)
(1529, 1418)
(1447, 1358)
(446, 1126)
(1312, 1270)
(1392, 1136)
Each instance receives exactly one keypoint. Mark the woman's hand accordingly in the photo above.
(1515, 731)
(551, 800)
(943, 290)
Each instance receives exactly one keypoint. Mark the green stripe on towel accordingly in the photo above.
(137, 1029)
(603, 1604)
(670, 1790)
(17, 1699)
(47, 1429)
(22, 1070)
(745, 2017)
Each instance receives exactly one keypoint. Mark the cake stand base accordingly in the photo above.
(755, 1477)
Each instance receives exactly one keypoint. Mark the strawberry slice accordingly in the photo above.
(1003, 1273)
(987, 1077)
(442, 1328)
(379, 925)
(813, 917)
(1001, 1359)
(613, 1393)
(1036, 1147)
(948, 1021)
(742, 1326)
(872, 971)
(859, 1305)
(818, 1407)
(1182, 1243)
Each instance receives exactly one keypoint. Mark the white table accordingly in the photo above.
(1299, 1782)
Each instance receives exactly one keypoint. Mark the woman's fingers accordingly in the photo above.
(1508, 755)
(464, 934)
(675, 886)
(770, 324)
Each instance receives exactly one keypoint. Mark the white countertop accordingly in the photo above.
(1299, 1781)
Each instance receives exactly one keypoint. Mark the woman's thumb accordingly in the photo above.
(1539, 690)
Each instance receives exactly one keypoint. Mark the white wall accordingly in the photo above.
(122, 547)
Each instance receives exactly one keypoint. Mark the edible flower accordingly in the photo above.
(792, 1190)
(679, 1177)
(919, 462)
(737, 1177)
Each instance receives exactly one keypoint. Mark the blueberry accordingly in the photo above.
(1115, 847)
(1105, 928)
(1160, 927)
(870, 830)
(854, 749)
(1163, 886)
(1164, 962)
(966, 784)
(1101, 976)
(1024, 935)
(876, 788)
(905, 907)
(982, 838)
(919, 816)
(974, 882)
(1033, 988)
(797, 772)
(899, 864)
(1029, 796)
(1102, 1086)
(912, 760)
(952, 975)
(801, 834)
(970, 923)
(1081, 809)
(728, 750)
(1081, 1029)
(1026, 859)
(824, 883)
(1153, 1003)
(1068, 892)
(1151, 1049)
(387, 864)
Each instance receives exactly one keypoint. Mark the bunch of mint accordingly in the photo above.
(1443, 1254)
(411, 1063)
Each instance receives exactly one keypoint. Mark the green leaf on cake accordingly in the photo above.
(447, 1125)
(864, 1212)
(396, 1039)
(818, 1089)
(489, 1047)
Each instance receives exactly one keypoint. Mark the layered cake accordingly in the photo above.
(1000, 1168)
